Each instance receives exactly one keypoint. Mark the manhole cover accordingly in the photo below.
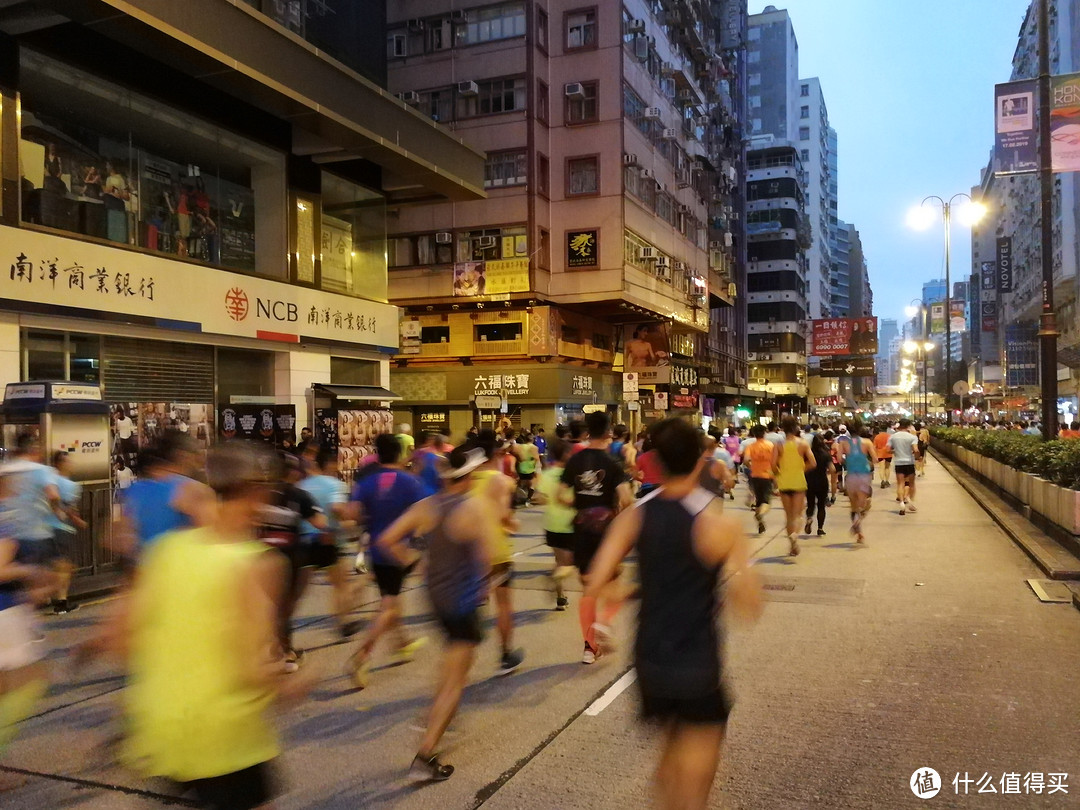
(1049, 591)
(812, 590)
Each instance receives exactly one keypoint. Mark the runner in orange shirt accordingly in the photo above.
(884, 454)
(762, 457)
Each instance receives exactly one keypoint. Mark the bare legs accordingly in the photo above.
(457, 660)
(688, 765)
(794, 506)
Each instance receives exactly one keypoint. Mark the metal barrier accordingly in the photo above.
(92, 549)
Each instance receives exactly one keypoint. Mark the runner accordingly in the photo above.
(459, 533)
(761, 456)
(558, 519)
(716, 476)
(859, 461)
(540, 440)
(330, 494)
(817, 482)
(924, 445)
(428, 460)
(23, 672)
(379, 500)
(204, 665)
(64, 527)
(843, 439)
(904, 445)
(684, 543)
(528, 464)
(593, 485)
(794, 460)
(883, 453)
(496, 489)
(649, 473)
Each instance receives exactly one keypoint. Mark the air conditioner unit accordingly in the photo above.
(669, 134)
(629, 160)
(680, 267)
(684, 184)
(653, 113)
(409, 97)
(641, 47)
(444, 238)
(716, 245)
(648, 252)
(734, 216)
(663, 262)
(485, 242)
(763, 380)
(459, 16)
(636, 27)
(574, 90)
(646, 173)
(416, 24)
(467, 89)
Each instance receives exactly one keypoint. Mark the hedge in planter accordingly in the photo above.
(1057, 461)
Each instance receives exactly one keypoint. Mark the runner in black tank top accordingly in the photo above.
(686, 546)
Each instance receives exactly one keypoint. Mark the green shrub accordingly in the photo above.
(1057, 461)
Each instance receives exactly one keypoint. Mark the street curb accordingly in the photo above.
(1051, 557)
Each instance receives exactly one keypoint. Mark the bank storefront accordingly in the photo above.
(451, 400)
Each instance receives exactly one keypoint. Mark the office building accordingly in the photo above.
(813, 134)
(888, 366)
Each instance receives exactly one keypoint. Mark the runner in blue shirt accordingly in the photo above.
(380, 498)
(64, 528)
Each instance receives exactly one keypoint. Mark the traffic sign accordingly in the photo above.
(960, 388)
(630, 382)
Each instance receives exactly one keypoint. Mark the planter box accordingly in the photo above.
(1023, 490)
(1069, 510)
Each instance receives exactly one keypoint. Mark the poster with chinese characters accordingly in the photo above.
(583, 248)
(508, 384)
(842, 337)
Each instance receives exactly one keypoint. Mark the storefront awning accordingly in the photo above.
(371, 393)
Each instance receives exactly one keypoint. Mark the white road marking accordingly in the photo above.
(613, 692)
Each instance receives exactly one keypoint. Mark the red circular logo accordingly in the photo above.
(236, 304)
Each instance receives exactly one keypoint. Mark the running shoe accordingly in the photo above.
(605, 637)
(590, 655)
(807, 528)
(902, 512)
(794, 550)
(561, 602)
(832, 500)
(406, 653)
(430, 768)
(884, 484)
(820, 532)
(359, 670)
(911, 507)
(350, 629)
(63, 606)
(760, 525)
(511, 660)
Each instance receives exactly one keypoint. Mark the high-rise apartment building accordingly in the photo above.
(611, 227)
(778, 238)
(813, 138)
(772, 69)
(840, 277)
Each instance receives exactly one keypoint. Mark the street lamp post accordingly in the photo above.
(921, 217)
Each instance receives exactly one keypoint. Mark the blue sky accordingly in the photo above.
(909, 87)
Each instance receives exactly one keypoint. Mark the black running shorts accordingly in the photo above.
(240, 790)
(710, 708)
(390, 578)
(586, 545)
(904, 469)
(565, 542)
(462, 628)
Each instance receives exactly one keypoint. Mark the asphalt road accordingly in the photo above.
(924, 649)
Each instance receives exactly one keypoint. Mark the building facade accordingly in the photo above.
(611, 236)
(888, 363)
(814, 142)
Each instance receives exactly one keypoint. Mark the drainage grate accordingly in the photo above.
(1049, 591)
(813, 590)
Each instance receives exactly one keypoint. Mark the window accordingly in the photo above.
(804, 133)
(804, 91)
(804, 112)
(102, 161)
(755, 101)
(753, 57)
(543, 175)
(755, 79)
(498, 331)
(544, 257)
(585, 108)
(804, 154)
(397, 46)
(492, 98)
(541, 29)
(580, 29)
(353, 371)
(352, 238)
(434, 334)
(489, 24)
(583, 176)
(754, 34)
(509, 168)
(756, 125)
(542, 102)
(437, 104)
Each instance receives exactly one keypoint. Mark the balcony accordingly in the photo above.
(493, 348)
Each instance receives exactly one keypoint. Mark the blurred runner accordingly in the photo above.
(884, 454)
(904, 445)
(817, 483)
(64, 527)
(377, 501)
(558, 519)
(528, 464)
(716, 477)
(205, 662)
(761, 456)
(684, 542)
(459, 532)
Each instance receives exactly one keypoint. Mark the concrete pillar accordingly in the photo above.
(294, 372)
(10, 350)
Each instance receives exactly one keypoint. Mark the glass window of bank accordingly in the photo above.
(353, 239)
(100, 161)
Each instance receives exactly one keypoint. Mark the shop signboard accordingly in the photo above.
(848, 367)
(958, 320)
(583, 248)
(507, 276)
(630, 382)
(85, 280)
(433, 420)
(647, 348)
(684, 402)
(842, 337)
(1065, 122)
(1004, 264)
(470, 279)
(989, 316)
(989, 278)
(1016, 136)
(488, 402)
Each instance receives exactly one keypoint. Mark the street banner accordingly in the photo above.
(958, 316)
(1004, 264)
(989, 279)
(849, 367)
(937, 318)
(1016, 133)
(1065, 122)
(841, 337)
(989, 316)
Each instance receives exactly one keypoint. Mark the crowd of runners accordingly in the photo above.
(218, 549)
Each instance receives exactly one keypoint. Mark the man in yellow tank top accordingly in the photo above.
(795, 460)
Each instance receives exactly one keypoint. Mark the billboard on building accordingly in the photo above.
(840, 337)
(937, 318)
(647, 351)
(1015, 130)
(850, 367)
(958, 316)
(1004, 264)
(1065, 122)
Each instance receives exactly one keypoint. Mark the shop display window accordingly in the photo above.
(353, 239)
(101, 161)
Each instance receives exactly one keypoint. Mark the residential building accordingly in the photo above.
(194, 208)
(813, 139)
(778, 238)
(773, 75)
(840, 277)
(613, 136)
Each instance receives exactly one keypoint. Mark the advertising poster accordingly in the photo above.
(989, 278)
(1065, 122)
(842, 337)
(1016, 135)
(469, 279)
(285, 425)
(647, 351)
(958, 319)
(937, 318)
(851, 367)
(505, 276)
(1004, 264)
(989, 316)
(582, 248)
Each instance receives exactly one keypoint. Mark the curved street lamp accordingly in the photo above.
(922, 217)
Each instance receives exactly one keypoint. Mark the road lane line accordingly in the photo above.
(613, 692)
